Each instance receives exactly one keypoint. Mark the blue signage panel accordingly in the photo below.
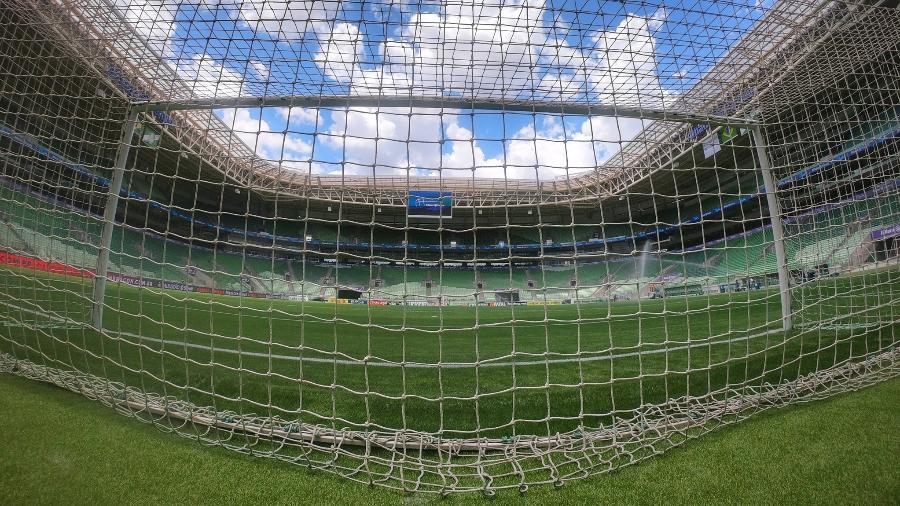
(429, 204)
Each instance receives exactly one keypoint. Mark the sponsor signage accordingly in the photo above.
(134, 281)
(543, 303)
(885, 233)
(429, 204)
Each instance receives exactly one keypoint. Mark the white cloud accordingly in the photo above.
(469, 48)
(255, 132)
(658, 18)
(500, 50)
(153, 20)
(208, 78)
(386, 141)
(551, 151)
(397, 141)
(260, 69)
(467, 156)
(497, 51)
(474, 48)
(619, 69)
(300, 116)
(339, 52)
(625, 70)
(286, 19)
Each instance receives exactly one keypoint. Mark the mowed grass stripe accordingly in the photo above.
(647, 365)
(138, 340)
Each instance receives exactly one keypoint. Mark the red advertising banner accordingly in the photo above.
(60, 268)
(42, 265)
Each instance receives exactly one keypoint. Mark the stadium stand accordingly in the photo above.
(50, 229)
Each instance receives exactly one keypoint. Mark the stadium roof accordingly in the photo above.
(737, 86)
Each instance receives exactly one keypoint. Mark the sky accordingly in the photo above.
(633, 53)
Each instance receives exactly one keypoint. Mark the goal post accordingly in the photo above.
(774, 206)
(109, 218)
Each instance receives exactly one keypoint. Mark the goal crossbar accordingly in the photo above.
(424, 102)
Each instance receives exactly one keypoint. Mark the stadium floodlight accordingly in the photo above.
(466, 247)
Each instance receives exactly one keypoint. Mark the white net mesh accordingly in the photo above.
(446, 248)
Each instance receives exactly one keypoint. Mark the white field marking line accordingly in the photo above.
(836, 326)
(412, 365)
(42, 325)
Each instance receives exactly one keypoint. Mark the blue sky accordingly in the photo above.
(643, 53)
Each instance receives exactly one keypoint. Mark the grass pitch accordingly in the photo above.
(842, 450)
(461, 371)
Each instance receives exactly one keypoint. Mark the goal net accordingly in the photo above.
(449, 247)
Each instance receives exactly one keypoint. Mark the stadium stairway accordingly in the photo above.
(200, 278)
(293, 276)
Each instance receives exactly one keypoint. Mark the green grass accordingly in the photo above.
(61, 447)
(282, 357)
(304, 361)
